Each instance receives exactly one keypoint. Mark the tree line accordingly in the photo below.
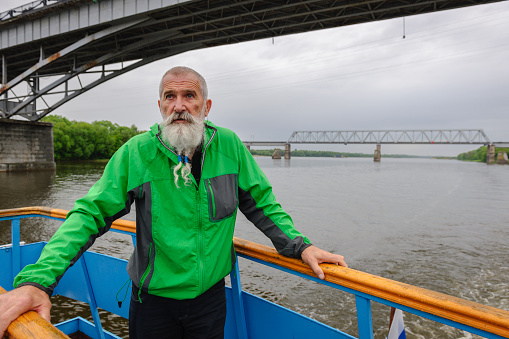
(77, 140)
(480, 154)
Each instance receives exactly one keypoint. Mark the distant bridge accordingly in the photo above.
(59, 49)
(379, 137)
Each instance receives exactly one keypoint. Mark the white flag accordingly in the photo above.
(397, 330)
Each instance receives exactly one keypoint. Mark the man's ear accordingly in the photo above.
(208, 105)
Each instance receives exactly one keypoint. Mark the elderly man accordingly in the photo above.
(188, 178)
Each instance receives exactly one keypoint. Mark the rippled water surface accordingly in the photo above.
(437, 224)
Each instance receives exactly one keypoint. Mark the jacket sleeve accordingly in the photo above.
(90, 218)
(259, 205)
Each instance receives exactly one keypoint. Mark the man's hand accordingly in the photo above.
(20, 300)
(313, 256)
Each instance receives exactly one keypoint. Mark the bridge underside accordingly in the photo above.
(55, 59)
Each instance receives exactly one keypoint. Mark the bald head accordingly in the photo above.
(182, 71)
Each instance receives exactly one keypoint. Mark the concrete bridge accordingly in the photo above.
(379, 137)
(55, 50)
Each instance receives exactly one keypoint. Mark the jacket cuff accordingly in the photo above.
(295, 248)
(48, 291)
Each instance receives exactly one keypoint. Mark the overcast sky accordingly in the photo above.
(450, 72)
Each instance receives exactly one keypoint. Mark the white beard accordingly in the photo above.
(184, 137)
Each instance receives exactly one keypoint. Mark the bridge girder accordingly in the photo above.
(451, 137)
(119, 43)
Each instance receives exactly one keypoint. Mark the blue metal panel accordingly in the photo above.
(69, 326)
(29, 255)
(267, 320)
(6, 263)
(230, 327)
(238, 303)
(107, 277)
(79, 324)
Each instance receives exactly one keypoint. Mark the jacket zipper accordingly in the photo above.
(146, 272)
(162, 143)
(205, 148)
(200, 244)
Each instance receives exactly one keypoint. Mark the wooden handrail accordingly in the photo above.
(120, 224)
(465, 312)
(32, 325)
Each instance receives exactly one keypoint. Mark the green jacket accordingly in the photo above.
(183, 235)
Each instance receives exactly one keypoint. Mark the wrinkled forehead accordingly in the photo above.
(183, 82)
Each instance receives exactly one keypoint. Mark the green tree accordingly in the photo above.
(75, 140)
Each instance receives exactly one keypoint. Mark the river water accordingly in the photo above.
(437, 224)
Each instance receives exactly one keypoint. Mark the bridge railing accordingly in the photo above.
(465, 315)
(6, 15)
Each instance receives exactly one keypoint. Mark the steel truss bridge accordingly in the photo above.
(379, 137)
(55, 50)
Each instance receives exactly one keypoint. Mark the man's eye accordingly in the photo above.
(169, 96)
(189, 95)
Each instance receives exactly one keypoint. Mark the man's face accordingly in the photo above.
(182, 93)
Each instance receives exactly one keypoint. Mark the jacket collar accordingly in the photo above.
(168, 150)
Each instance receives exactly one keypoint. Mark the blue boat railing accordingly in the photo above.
(465, 315)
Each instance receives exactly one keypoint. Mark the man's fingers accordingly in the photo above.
(317, 270)
(45, 313)
(21, 300)
(10, 314)
(339, 260)
(314, 256)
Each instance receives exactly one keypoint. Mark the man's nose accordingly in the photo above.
(179, 105)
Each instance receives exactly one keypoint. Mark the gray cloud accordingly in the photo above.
(449, 72)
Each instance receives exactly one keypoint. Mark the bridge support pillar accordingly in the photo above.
(288, 151)
(502, 158)
(26, 146)
(248, 147)
(490, 154)
(276, 154)
(378, 153)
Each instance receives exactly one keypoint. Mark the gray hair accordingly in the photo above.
(182, 70)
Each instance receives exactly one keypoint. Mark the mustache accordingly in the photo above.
(184, 115)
